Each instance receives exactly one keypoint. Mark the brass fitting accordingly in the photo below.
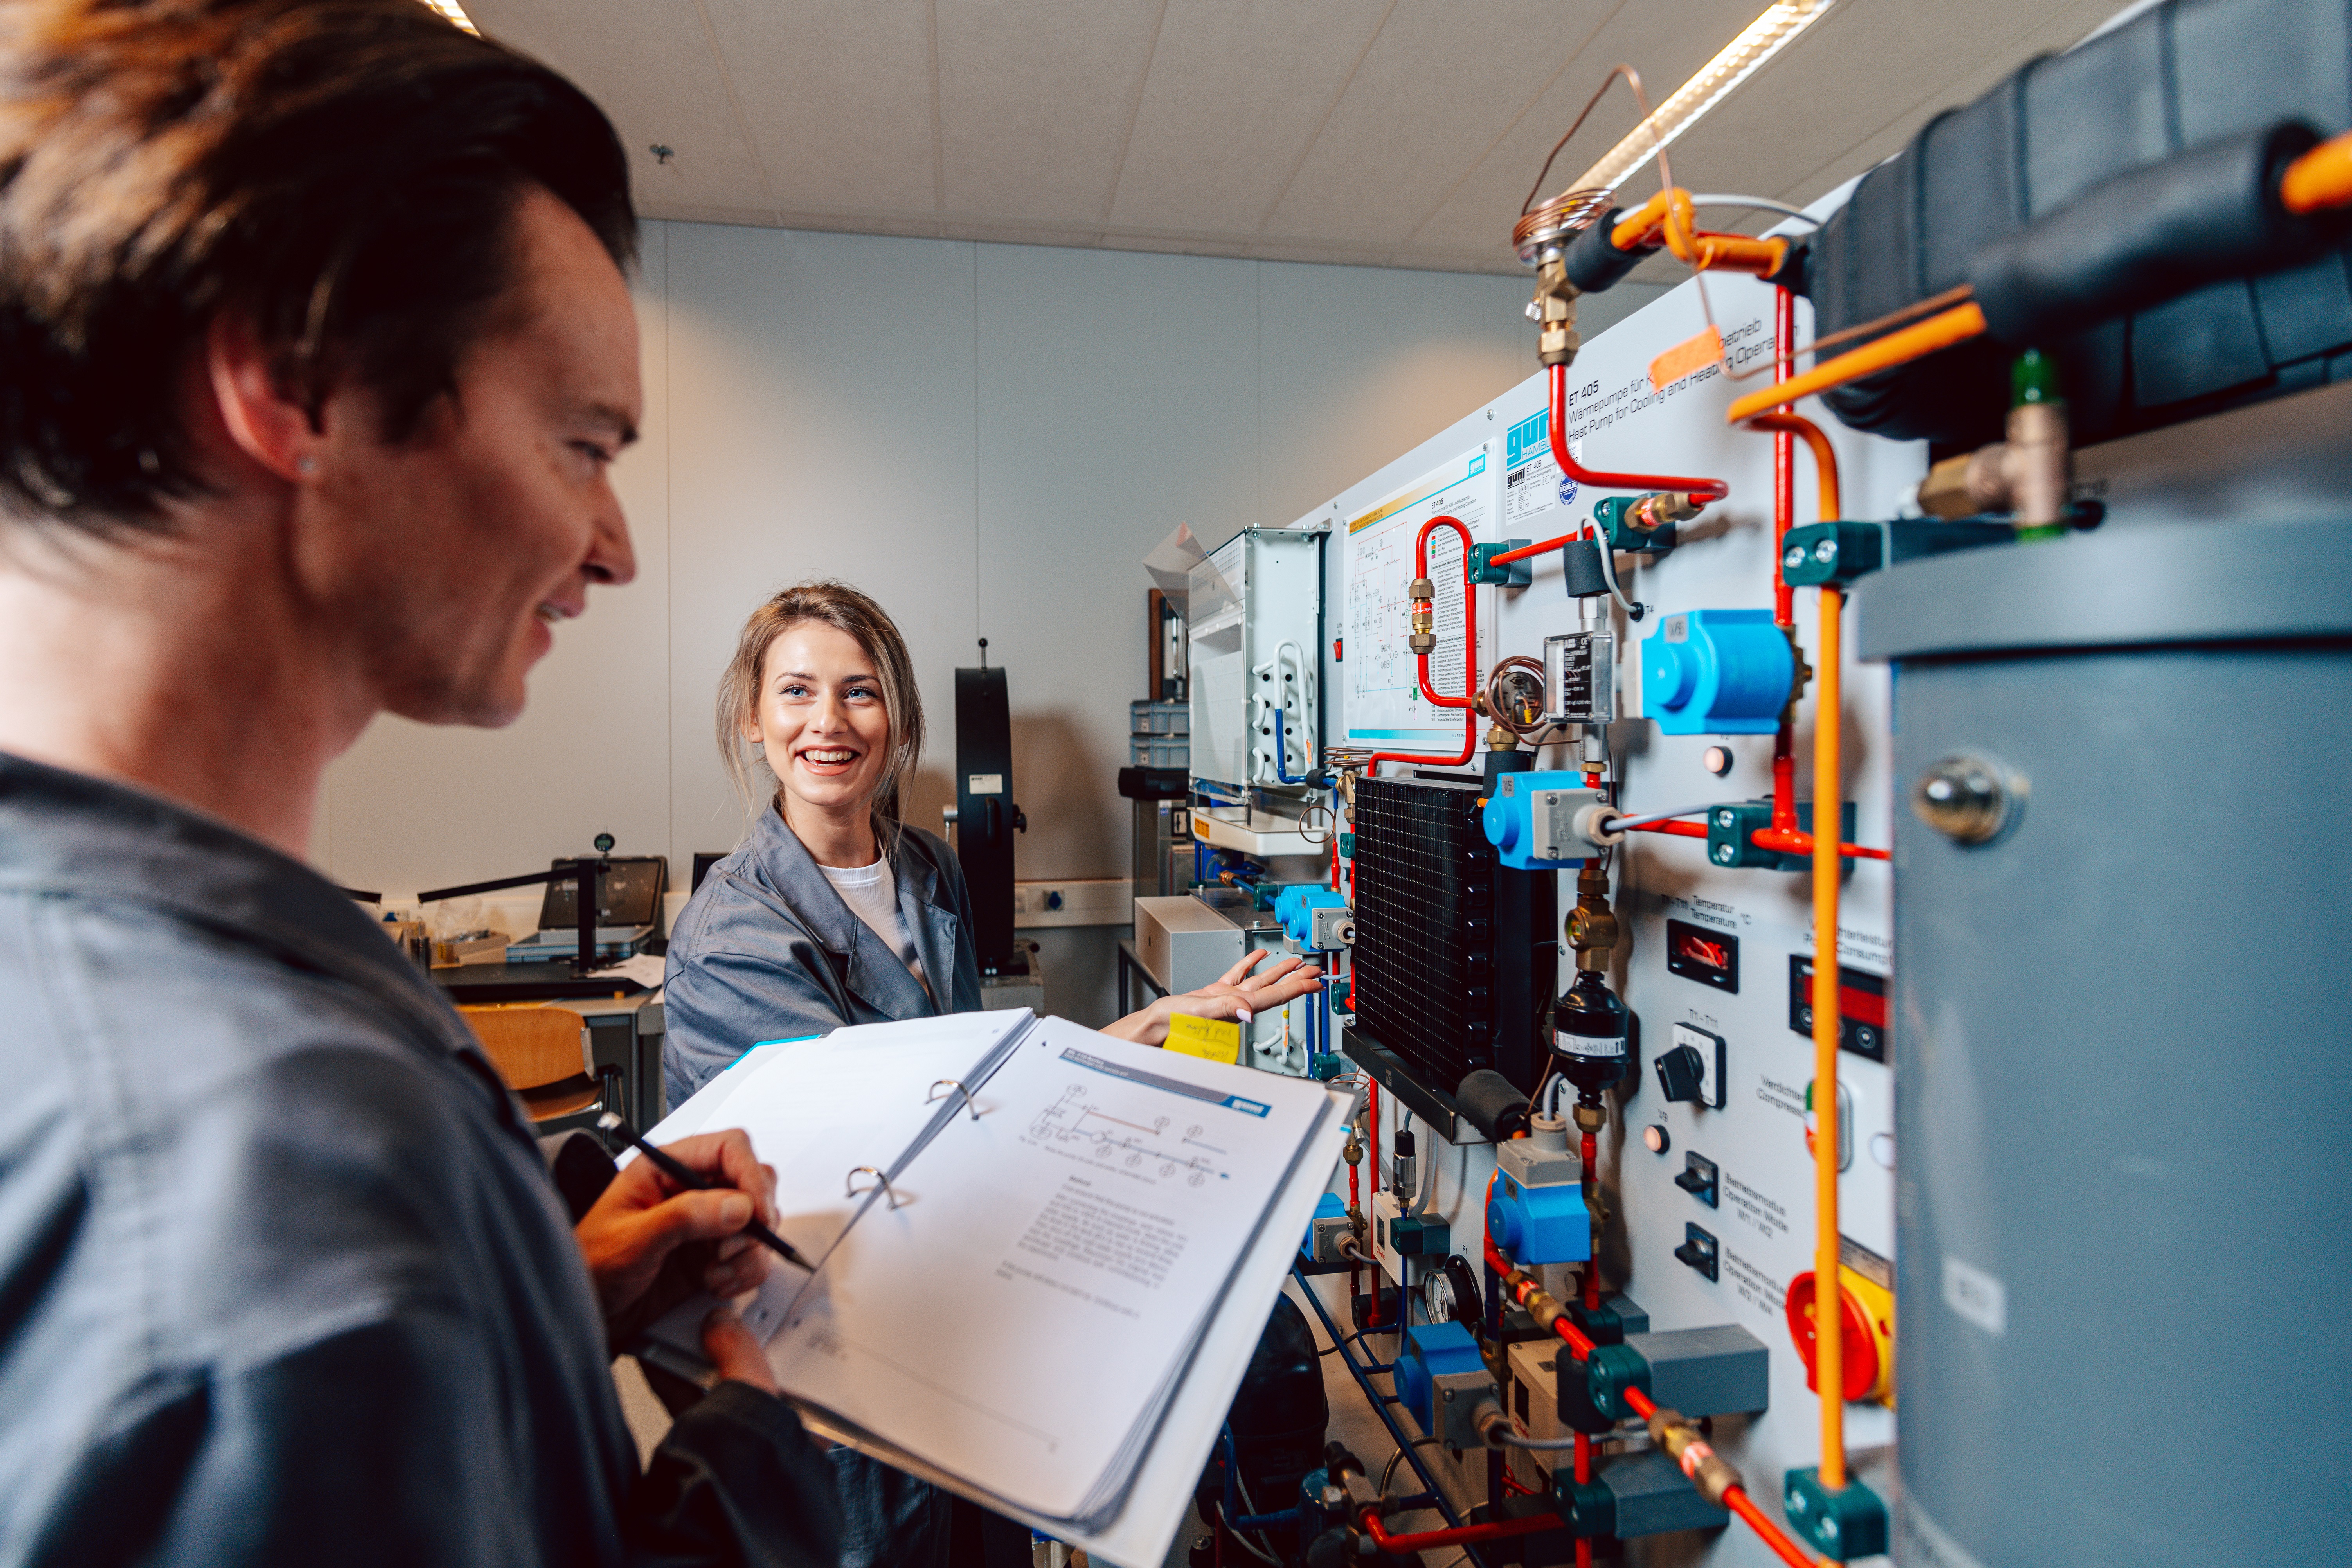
(2028, 476)
(1592, 925)
(1688, 1447)
(1800, 676)
(1590, 1118)
(1662, 507)
(1423, 595)
(1553, 310)
(1354, 1150)
(1500, 740)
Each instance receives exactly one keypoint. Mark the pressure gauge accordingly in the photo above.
(1437, 1298)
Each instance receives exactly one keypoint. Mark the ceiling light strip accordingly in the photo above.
(1741, 58)
(455, 14)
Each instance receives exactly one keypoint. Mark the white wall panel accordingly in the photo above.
(823, 399)
(1118, 398)
(987, 438)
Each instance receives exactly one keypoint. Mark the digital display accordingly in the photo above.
(1697, 953)
(1862, 1006)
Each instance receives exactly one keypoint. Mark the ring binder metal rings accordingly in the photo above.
(957, 1085)
(850, 1183)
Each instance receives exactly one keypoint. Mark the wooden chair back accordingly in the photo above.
(531, 1046)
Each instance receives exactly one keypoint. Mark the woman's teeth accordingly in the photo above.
(828, 756)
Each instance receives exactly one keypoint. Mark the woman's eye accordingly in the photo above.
(593, 452)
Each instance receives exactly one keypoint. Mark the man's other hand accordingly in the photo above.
(650, 1243)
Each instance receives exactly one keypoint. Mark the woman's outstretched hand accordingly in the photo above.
(1240, 994)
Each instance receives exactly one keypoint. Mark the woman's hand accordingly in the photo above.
(1239, 996)
(650, 1243)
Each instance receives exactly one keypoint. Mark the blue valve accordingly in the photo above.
(1716, 672)
(1295, 907)
(1431, 1352)
(1530, 819)
(1539, 1224)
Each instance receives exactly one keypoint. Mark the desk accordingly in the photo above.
(624, 1031)
(1131, 963)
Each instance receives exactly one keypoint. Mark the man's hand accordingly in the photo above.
(650, 1243)
(1240, 994)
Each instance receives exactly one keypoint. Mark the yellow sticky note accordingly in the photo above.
(1219, 1040)
(1686, 358)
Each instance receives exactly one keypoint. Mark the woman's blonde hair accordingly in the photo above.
(843, 608)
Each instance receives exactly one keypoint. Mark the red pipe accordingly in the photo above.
(1698, 490)
(1460, 1536)
(1372, 1131)
(1796, 842)
(1788, 842)
(1469, 659)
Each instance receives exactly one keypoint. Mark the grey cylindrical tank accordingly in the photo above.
(2123, 1037)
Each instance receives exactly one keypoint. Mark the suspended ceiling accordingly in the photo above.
(1369, 132)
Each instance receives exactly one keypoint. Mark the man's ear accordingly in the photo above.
(261, 421)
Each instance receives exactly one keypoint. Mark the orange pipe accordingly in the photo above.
(1784, 467)
(1825, 463)
(1736, 1500)
(1900, 346)
(1829, 1342)
(2320, 178)
(1524, 551)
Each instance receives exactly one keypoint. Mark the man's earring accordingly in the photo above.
(306, 464)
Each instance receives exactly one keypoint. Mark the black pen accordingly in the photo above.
(611, 1121)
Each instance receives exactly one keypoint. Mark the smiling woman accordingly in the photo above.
(833, 911)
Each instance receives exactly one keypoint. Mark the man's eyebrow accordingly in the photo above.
(615, 417)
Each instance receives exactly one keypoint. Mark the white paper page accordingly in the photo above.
(1019, 1313)
(824, 1107)
(1157, 1505)
(816, 1109)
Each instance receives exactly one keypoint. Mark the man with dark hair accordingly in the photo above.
(318, 349)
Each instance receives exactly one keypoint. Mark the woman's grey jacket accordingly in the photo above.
(767, 951)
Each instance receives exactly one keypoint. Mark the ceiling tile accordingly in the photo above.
(837, 97)
(1439, 84)
(649, 64)
(1237, 90)
(1037, 98)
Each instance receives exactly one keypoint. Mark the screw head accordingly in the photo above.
(1723, 852)
(1968, 797)
(1825, 551)
(1794, 559)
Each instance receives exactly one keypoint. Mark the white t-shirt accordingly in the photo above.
(872, 895)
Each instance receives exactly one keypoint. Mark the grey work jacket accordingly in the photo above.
(283, 1278)
(767, 951)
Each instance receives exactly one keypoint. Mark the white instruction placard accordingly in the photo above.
(1385, 705)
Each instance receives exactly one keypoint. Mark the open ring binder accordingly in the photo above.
(849, 1183)
(957, 1085)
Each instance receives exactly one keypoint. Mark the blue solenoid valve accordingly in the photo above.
(1543, 820)
(1547, 1224)
(1315, 918)
(1437, 1357)
(1716, 672)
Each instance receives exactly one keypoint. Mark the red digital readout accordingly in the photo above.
(1698, 949)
